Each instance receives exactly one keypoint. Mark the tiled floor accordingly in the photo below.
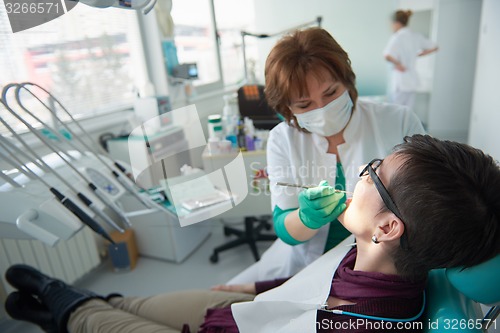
(153, 276)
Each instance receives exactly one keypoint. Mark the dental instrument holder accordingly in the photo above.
(88, 149)
(158, 231)
(65, 201)
(86, 219)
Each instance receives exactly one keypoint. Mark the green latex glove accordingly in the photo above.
(320, 205)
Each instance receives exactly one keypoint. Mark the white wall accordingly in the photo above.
(362, 28)
(451, 98)
(485, 117)
(446, 107)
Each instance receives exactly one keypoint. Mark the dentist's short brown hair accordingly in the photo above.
(294, 56)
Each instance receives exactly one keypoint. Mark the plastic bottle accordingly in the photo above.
(227, 111)
(250, 132)
(232, 136)
(215, 127)
(230, 119)
(230, 115)
(241, 136)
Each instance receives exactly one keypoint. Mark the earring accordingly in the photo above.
(375, 240)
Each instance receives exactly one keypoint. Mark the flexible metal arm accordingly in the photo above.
(122, 179)
(246, 33)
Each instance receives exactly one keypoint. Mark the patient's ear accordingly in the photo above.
(391, 229)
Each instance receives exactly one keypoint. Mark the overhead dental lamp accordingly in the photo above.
(145, 5)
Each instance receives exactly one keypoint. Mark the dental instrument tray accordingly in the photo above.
(205, 201)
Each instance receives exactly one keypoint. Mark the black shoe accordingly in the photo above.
(22, 306)
(112, 295)
(62, 299)
(59, 298)
(27, 279)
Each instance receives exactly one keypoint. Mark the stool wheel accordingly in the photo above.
(214, 258)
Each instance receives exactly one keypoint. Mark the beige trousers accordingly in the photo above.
(165, 313)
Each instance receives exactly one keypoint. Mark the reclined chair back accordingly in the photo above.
(454, 297)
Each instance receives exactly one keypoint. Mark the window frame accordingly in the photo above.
(154, 71)
(96, 119)
(207, 88)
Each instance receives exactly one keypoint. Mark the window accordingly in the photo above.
(195, 38)
(232, 17)
(89, 58)
(86, 58)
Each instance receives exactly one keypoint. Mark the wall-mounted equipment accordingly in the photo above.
(188, 71)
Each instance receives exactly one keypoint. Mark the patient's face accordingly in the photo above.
(362, 215)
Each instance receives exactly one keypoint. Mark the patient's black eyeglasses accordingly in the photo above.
(370, 169)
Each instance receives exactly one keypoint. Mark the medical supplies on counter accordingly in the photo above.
(230, 131)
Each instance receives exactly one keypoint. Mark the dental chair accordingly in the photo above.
(454, 297)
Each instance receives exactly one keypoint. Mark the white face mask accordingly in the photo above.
(330, 119)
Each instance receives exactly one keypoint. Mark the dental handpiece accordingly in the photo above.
(307, 186)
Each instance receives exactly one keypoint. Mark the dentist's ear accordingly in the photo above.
(390, 230)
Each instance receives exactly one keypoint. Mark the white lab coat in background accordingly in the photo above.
(404, 46)
(301, 158)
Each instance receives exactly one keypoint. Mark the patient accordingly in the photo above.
(430, 204)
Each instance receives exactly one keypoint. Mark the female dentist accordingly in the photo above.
(402, 51)
(327, 133)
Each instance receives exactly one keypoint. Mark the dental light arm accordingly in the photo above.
(145, 5)
(317, 22)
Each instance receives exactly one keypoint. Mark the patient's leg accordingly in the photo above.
(176, 309)
(97, 316)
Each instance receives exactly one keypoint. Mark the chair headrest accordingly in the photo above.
(479, 283)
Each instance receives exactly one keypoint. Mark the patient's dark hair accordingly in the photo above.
(448, 194)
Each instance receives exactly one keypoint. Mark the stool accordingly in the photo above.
(251, 235)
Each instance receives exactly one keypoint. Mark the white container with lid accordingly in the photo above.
(215, 129)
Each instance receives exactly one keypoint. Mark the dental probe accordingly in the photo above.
(308, 186)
